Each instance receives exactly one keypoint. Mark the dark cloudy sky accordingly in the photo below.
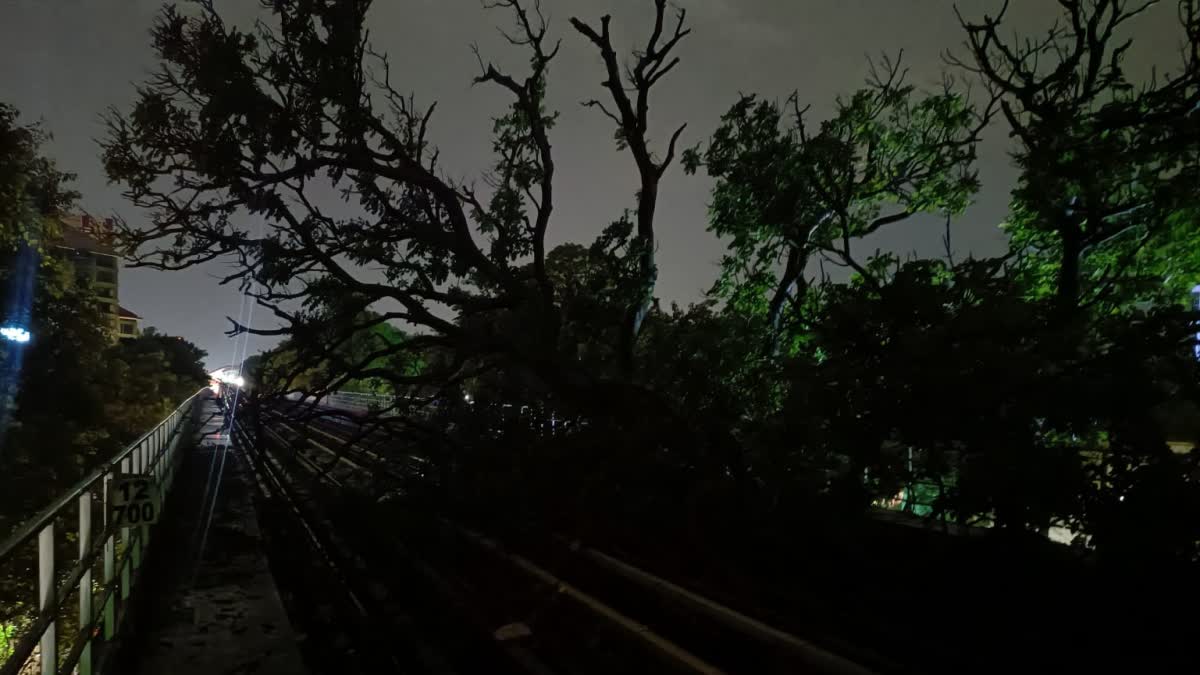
(64, 61)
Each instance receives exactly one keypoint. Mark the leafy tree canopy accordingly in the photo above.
(786, 194)
(33, 193)
(1109, 167)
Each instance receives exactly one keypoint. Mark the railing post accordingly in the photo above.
(165, 458)
(46, 602)
(85, 582)
(168, 475)
(168, 455)
(149, 449)
(153, 457)
(160, 461)
(144, 451)
(131, 549)
(157, 460)
(110, 567)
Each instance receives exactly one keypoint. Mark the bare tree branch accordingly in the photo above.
(630, 116)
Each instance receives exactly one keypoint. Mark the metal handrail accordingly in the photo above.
(362, 396)
(43, 517)
(154, 454)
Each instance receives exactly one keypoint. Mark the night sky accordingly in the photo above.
(64, 61)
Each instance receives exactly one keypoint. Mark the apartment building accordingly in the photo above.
(86, 243)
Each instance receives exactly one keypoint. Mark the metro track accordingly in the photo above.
(362, 598)
(658, 626)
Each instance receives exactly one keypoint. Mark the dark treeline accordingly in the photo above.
(762, 431)
(70, 397)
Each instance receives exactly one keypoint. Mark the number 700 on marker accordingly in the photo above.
(133, 499)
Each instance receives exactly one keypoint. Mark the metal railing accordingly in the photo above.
(155, 455)
(353, 400)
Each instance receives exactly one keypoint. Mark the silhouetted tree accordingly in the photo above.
(228, 138)
(364, 362)
(150, 375)
(1106, 165)
(786, 193)
(960, 375)
(33, 192)
(630, 95)
(946, 381)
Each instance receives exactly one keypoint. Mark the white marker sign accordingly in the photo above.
(134, 499)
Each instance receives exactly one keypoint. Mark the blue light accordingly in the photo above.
(1196, 307)
(15, 334)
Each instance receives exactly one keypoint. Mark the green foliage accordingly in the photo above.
(964, 387)
(32, 191)
(947, 375)
(377, 352)
(371, 347)
(50, 387)
(708, 360)
(785, 193)
(78, 398)
(70, 397)
(149, 376)
(1142, 264)
(9, 634)
(594, 285)
(1107, 166)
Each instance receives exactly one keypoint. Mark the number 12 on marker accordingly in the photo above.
(134, 499)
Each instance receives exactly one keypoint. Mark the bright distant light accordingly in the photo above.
(467, 398)
(229, 376)
(15, 334)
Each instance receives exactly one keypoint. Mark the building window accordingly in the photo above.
(104, 292)
(105, 277)
(106, 261)
(126, 328)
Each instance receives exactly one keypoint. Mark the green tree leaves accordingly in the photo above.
(32, 191)
(786, 193)
(1106, 165)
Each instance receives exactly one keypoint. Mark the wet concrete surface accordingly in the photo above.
(209, 604)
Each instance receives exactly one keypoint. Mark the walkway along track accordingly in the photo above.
(673, 628)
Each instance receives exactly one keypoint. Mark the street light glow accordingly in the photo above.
(15, 334)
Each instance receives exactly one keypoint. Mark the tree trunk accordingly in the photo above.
(647, 273)
(1068, 270)
(792, 273)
